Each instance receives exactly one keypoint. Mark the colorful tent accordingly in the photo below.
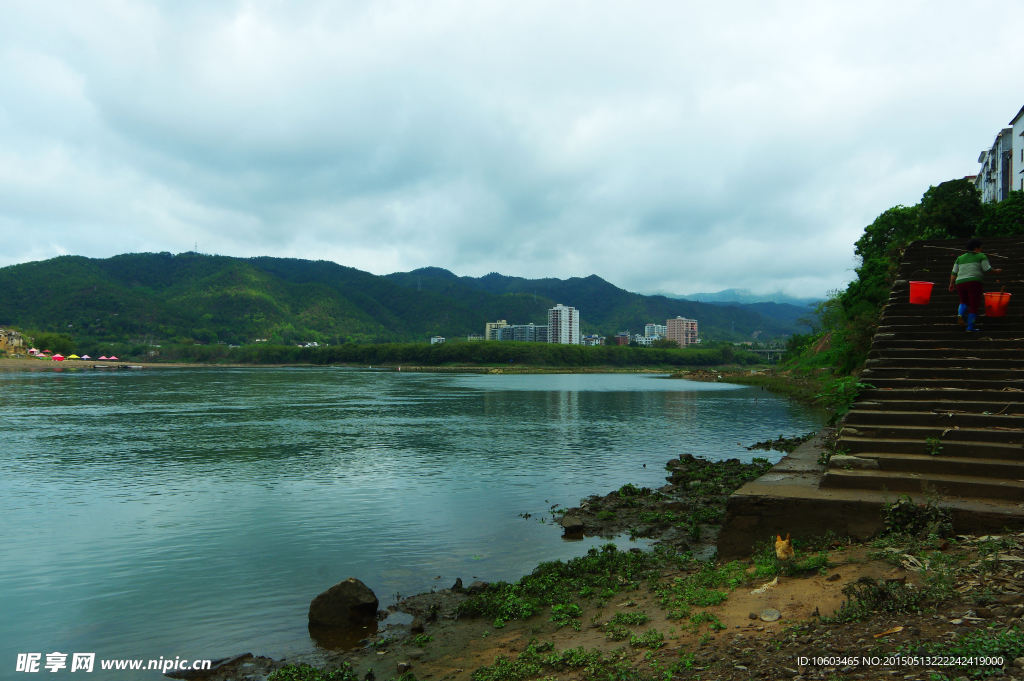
(111, 358)
(86, 357)
(74, 357)
(58, 357)
(103, 358)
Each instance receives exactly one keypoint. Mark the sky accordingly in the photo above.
(665, 146)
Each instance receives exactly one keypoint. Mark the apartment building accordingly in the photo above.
(491, 329)
(996, 176)
(655, 330)
(682, 330)
(523, 333)
(1018, 151)
(564, 325)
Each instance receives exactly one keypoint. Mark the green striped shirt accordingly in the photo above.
(971, 267)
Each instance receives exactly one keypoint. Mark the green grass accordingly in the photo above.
(986, 643)
(630, 618)
(564, 615)
(605, 572)
(422, 640)
(539, 658)
(652, 638)
(305, 672)
(867, 596)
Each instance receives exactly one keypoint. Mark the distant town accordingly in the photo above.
(564, 327)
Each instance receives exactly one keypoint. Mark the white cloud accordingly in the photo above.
(661, 145)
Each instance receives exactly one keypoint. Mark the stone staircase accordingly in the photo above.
(934, 383)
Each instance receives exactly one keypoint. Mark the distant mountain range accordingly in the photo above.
(154, 297)
(742, 295)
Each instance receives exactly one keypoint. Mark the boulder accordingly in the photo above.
(403, 667)
(417, 626)
(476, 586)
(345, 604)
(571, 524)
(457, 586)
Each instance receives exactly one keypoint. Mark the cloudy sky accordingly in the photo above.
(675, 146)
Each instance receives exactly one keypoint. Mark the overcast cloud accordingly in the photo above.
(661, 145)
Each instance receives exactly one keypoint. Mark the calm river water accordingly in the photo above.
(197, 512)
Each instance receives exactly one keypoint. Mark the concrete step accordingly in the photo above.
(1007, 451)
(950, 430)
(989, 374)
(869, 418)
(920, 384)
(920, 329)
(952, 333)
(940, 311)
(977, 352)
(884, 342)
(900, 481)
(965, 361)
(1001, 469)
(939, 407)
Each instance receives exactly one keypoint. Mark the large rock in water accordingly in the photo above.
(345, 604)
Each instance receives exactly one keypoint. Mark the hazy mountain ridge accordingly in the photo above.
(744, 296)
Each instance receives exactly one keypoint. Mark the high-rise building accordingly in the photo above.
(652, 330)
(491, 329)
(682, 330)
(564, 325)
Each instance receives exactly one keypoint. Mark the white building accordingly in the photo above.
(682, 330)
(996, 176)
(564, 325)
(437, 339)
(645, 341)
(1018, 151)
(474, 337)
(592, 340)
(655, 330)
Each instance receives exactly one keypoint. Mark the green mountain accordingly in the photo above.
(160, 297)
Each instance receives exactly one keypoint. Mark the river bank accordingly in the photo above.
(893, 606)
(32, 364)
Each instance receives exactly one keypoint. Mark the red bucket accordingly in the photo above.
(920, 292)
(996, 303)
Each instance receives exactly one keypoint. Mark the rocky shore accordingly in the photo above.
(913, 606)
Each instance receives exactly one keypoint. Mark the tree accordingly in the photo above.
(894, 228)
(953, 210)
(56, 342)
(665, 343)
(1005, 218)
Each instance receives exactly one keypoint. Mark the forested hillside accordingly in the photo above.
(192, 298)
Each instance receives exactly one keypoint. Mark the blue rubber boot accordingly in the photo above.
(960, 314)
(970, 322)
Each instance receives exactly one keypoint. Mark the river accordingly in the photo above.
(196, 512)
